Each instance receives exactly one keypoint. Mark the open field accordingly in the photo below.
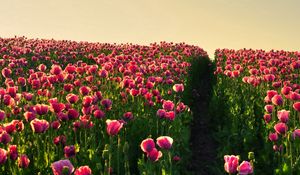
(94, 108)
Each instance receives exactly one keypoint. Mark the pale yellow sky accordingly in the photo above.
(210, 24)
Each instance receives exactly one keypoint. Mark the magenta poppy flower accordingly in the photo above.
(296, 133)
(69, 151)
(277, 100)
(170, 115)
(154, 155)
(99, 114)
(245, 168)
(41, 109)
(294, 96)
(55, 70)
(176, 158)
(83, 170)
(39, 126)
(68, 87)
(57, 107)
(13, 152)
(161, 113)
(72, 114)
(283, 115)
(3, 156)
(6, 72)
(12, 91)
(168, 105)
(147, 145)
(269, 108)
(113, 127)
(23, 161)
(273, 137)
(61, 166)
(267, 118)
(70, 69)
(271, 93)
(286, 90)
(164, 142)
(55, 125)
(29, 116)
(231, 163)
(178, 88)
(8, 100)
(281, 128)
(2, 115)
(84, 90)
(72, 98)
(87, 101)
(296, 106)
(106, 103)
(5, 137)
(128, 116)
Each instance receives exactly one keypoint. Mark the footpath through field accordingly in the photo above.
(202, 143)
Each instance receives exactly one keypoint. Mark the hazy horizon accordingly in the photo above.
(265, 24)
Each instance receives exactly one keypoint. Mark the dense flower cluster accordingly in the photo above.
(273, 75)
(68, 104)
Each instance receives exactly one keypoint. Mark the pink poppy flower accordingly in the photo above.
(84, 90)
(23, 161)
(29, 116)
(72, 98)
(57, 107)
(83, 170)
(168, 105)
(269, 108)
(273, 137)
(55, 125)
(164, 142)
(294, 96)
(245, 168)
(267, 118)
(69, 151)
(55, 70)
(286, 90)
(178, 88)
(2, 115)
(72, 114)
(161, 113)
(41, 109)
(281, 128)
(39, 126)
(107, 103)
(296, 106)
(271, 93)
(3, 156)
(113, 127)
(5, 137)
(147, 145)
(99, 114)
(231, 163)
(277, 100)
(283, 115)
(296, 133)
(61, 166)
(13, 152)
(6, 72)
(128, 116)
(154, 155)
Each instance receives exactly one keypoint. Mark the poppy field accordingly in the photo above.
(259, 94)
(89, 108)
(95, 108)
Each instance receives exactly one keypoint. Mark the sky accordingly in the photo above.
(210, 24)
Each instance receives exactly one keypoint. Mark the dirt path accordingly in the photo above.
(202, 144)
